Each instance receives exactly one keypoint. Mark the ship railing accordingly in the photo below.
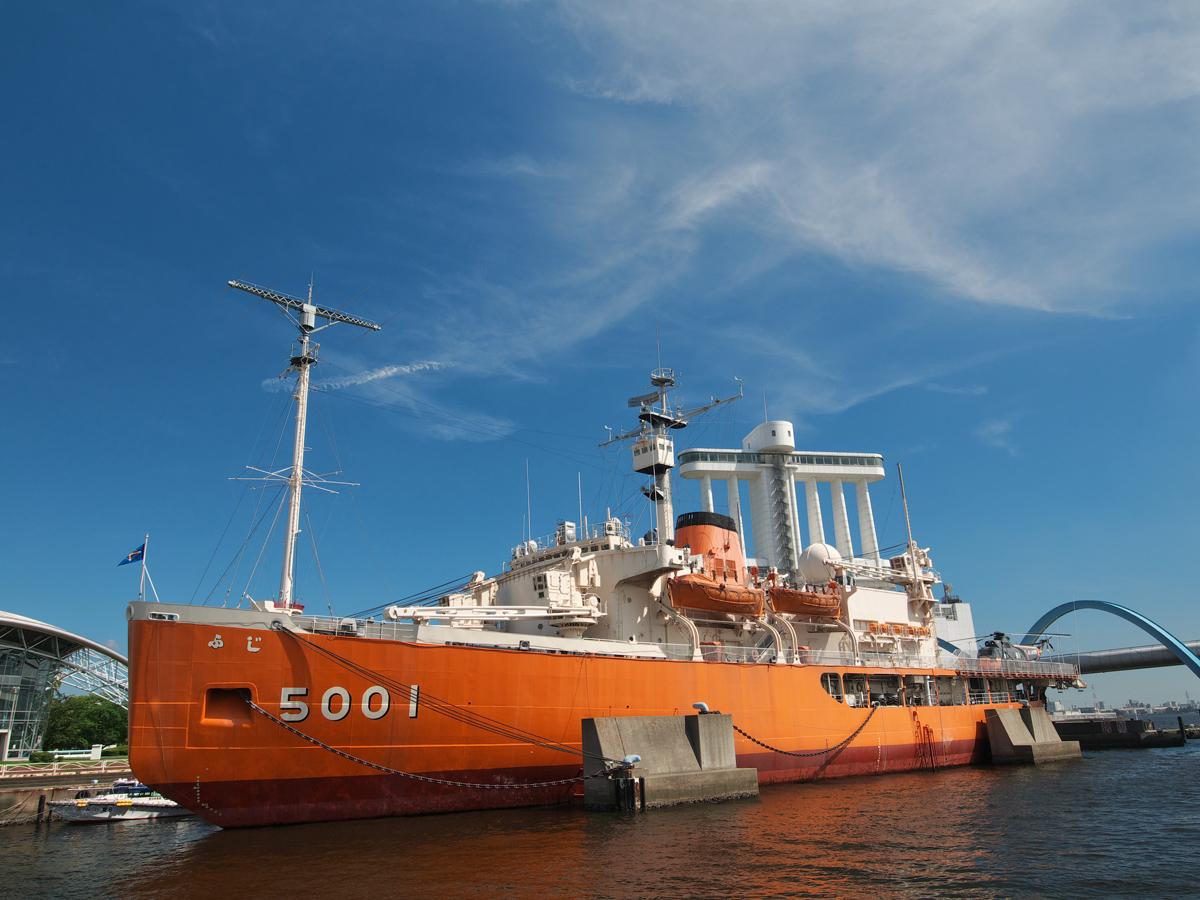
(975, 698)
(866, 659)
(733, 653)
(985, 667)
(350, 627)
(596, 532)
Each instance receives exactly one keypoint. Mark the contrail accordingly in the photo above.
(379, 374)
(365, 377)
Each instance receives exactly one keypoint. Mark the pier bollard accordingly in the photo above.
(41, 810)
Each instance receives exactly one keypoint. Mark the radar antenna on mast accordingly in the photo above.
(654, 450)
(304, 314)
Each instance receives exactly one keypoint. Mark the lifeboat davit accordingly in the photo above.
(825, 603)
(702, 592)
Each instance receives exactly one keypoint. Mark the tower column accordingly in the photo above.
(706, 500)
(866, 522)
(816, 528)
(794, 511)
(735, 510)
(841, 520)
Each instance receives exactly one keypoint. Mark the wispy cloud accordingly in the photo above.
(957, 390)
(960, 145)
(997, 433)
(516, 165)
(1016, 155)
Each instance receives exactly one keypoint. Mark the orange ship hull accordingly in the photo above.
(193, 740)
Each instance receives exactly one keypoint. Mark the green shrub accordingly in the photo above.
(118, 750)
(41, 756)
(83, 720)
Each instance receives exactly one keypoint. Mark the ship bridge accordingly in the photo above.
(773, 468)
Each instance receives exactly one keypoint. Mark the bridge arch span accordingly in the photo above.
(1156, 631)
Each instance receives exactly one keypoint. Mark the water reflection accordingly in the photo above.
(1116, 823)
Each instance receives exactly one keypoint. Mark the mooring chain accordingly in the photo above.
(426, 778)
(838, 746)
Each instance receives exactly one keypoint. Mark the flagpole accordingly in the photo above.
(142, 581)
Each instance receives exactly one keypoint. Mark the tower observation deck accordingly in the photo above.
(773, 468)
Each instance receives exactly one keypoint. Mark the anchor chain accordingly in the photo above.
(838, 746)
(387, 770)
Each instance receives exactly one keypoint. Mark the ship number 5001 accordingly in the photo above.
(337, 702)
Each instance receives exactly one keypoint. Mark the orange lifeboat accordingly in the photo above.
(702, 592)
(722, 586)
(826, 603)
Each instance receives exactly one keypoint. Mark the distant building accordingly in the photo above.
(35, 658)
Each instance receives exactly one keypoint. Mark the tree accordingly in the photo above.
(80, 721)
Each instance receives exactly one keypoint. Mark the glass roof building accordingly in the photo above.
(35, 659)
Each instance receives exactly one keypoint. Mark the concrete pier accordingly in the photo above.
(683, 759)
(1027, 736)
(1111, 732)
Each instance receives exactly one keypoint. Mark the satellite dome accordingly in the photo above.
(814, 563)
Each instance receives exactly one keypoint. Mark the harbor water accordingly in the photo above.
(1117, 823)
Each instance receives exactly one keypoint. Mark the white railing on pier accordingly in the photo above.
(78, 767)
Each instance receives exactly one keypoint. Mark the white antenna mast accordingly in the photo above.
(919, 589)
(304, 315)
(654, 449)
(528, 501)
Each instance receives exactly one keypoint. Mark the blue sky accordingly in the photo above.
(963, 237)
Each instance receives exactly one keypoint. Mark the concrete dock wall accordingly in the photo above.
(1026, 736)
(684, 759)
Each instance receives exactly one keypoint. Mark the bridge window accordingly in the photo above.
(832, 682)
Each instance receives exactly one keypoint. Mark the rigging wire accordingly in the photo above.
(419, 598)
(237, 558)
(312, 537)
(490, 431)
(217, 547)
(263, 549)
(236, 563)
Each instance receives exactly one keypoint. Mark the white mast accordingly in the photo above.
(142, 580)
(921, 590)
(302, 362)
(304, 315)
(654, 449)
